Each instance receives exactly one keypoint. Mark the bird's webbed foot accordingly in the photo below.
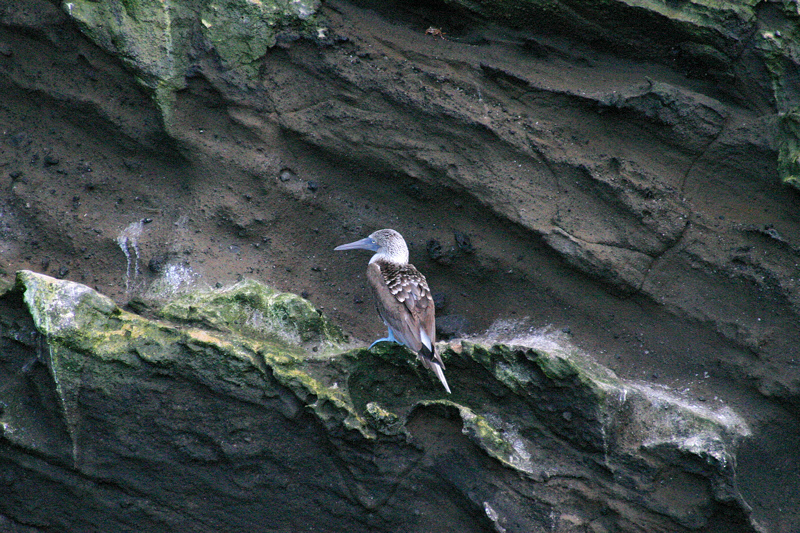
(390, 338)
(385, 339)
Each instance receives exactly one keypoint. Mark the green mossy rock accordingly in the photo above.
(242, 32)
(223, 393)
(789, 148)
(156, 38)
(253, 309)
(151, 37)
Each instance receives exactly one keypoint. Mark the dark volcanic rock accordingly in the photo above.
(463, 242)
(450, 326)
(437, 253)
(132, 424)
(157, 263)
(439, 300)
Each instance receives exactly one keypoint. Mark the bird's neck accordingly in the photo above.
(397, 257)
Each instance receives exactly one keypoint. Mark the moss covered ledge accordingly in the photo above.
(246, 379)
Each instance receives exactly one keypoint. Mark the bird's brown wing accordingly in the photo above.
(405, 304)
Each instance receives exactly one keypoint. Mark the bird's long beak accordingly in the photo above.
(364, 244)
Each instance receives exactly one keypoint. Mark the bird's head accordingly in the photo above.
(386, 243)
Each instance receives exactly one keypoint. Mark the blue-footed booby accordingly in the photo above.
(402, 297)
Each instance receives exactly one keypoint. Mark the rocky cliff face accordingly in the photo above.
(621, 172)
(115, 422)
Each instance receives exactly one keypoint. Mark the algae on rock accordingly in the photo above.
(789, 148)
(153, 407)
(150, 37)
(156, 39)
(253, 309)
(242, 32)
(781, 51)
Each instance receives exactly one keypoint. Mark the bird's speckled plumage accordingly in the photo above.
(402, 297)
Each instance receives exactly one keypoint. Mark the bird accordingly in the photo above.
(402, 297)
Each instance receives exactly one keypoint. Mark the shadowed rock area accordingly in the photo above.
(622, 174)
(123, 423)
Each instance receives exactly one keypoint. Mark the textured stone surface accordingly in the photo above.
(611, 170)
(195, 429)
(156, 39)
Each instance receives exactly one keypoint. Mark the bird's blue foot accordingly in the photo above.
(390, 338)
(385, 339)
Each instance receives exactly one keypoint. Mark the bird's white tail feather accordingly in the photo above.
(423, 336)
(437, 369)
